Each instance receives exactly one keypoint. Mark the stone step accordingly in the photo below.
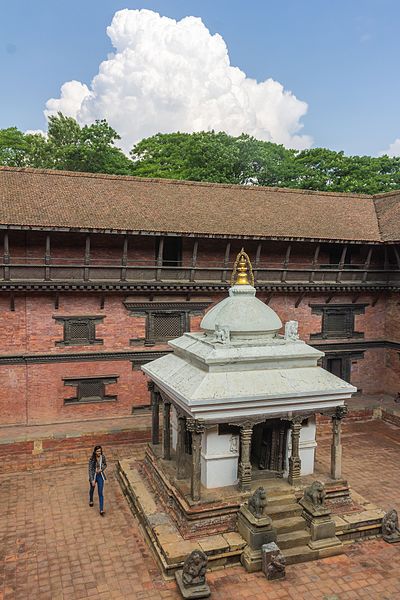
(285, 510)
(293, 539)
(285, 499)
(299, 554)
(289, 524)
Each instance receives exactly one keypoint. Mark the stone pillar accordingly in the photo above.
(167, 431)
(336, 446)
(294, 460)
(197, 430)
(180, 448)
(155, 413)
(246, 431)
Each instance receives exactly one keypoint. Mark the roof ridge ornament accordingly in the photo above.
(242, 273)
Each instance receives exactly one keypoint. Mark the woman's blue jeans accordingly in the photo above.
(100, 485)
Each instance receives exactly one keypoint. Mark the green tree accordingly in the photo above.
(89, 149)
(214, 157)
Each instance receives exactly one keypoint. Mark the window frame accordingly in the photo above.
(77, 382)
(89, 321)
(327, 310)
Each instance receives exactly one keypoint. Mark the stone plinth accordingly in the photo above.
(193, 591)
(256, 532)
(321, 525)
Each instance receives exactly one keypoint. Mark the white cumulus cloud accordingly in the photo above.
(168, 75)
(393, 150)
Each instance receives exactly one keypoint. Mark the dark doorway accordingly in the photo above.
(339, 366)
(172, 251)
(268, 448)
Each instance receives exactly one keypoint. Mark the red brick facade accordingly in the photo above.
(34, 392)
(122, 283)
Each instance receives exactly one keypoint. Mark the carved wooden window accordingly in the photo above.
(90, 389)
(164, 320)
(79, 331)
(338, 320)
(166, 326)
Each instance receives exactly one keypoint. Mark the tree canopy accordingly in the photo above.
(203, 156)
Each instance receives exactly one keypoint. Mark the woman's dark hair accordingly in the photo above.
(94, 452)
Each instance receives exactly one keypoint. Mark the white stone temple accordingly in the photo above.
(233, 392)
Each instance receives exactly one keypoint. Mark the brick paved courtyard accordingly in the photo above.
(54, 547)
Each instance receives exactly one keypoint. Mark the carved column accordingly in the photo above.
(180, 448)
(294, 460)
(336, 447)
(246, 431)
(155, 413)
(197, 430)
(167, 431)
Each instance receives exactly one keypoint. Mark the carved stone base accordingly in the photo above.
(321, 525)
(392, 539)
(194, 591)
(255, 531)
(251, 560)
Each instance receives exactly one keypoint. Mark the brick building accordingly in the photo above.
(99, 271)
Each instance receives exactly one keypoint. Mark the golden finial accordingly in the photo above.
(242, 273)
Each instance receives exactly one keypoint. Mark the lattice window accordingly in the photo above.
(163, 326)
(166, 326)
(90, 389)
(79, 330)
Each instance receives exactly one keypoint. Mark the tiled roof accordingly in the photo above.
(388, 213)
(63, 199)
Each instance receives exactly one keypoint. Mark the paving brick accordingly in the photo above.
(53, 543)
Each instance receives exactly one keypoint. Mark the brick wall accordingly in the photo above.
(35, 393)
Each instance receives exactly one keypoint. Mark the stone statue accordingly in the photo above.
(315, 494)
(194, 569)
(222, 334)
(258, 502)
(277, 567)
(291, 330)
(390, 526)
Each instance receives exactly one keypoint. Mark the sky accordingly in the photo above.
(305, 73)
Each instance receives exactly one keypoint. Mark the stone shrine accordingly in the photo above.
(225, 471)
(239, 399)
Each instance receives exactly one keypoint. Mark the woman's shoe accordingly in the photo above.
(90, 503)
(102, 513)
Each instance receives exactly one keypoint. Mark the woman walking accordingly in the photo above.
(97, 466)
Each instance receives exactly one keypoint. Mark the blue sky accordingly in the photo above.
(341, 58)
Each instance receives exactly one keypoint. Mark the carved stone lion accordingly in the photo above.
(315, 494)
(257, 502)
(277, 567)
(194, 569)
(390, 526)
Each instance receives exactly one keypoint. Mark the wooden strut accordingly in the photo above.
(299, 299)
(124, 259)
(268, 298)
(47, 259)
(194, 260)
(160, 258)
(226, 261)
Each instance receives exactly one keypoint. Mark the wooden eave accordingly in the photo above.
(48, 228)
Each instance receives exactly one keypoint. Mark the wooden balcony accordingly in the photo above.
(112, 272)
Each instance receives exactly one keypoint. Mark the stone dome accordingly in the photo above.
(244, 314)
